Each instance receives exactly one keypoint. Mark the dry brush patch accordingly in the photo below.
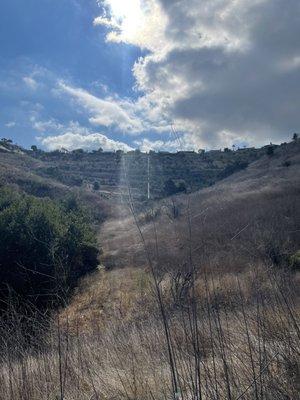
(212, 313)
(246, 347)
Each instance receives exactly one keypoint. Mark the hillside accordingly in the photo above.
(111, 173)
(196, 290)
(221, 262)
(257, 183)
(261, 193)
(22, 172)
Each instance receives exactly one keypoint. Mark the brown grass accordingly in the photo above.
(211, 313)
(244, 331)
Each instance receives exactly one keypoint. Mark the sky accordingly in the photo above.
(149, 74)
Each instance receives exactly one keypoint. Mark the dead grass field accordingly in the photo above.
(197, 299)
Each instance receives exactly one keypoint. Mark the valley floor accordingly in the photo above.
(195, 298)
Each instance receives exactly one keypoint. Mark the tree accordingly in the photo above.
(45, 247)
(181, 187)
(9, 141)
(78, 151)
(96, 185)
(170, 188)
(295, 137)
(34, 148)
(270, 150)
(232, 168)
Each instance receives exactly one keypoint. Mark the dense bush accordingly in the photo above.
(232, 168)
(96, 185)
(170, 187)
(45, 246)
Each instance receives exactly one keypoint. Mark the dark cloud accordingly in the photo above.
(248, 84)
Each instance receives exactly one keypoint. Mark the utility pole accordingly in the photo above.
(148, 176)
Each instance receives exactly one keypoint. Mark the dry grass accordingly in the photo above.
(212, 312)
(248, 337)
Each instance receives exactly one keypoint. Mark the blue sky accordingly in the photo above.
(50, 40)
(143, 73)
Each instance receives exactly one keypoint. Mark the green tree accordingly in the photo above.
(170, 188)
(96, 185)
(45, 246)
(78, 151)
(270, 150)
(181, 187)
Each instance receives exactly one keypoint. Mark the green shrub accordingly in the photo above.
(170, 187)
(96, 186)
(295, 261)
(270, 150)
(286, 163)
(232, 168)
(45, 246)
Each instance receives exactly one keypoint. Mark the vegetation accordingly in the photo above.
(206, 305)
(96, 186)
(118, 169)
(232, 168)
(270, 150)
(171, 188)
(45, 246)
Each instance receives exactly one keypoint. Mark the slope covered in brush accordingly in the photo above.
(254, 210)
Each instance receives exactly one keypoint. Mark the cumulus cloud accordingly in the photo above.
(89, 141)
(74, 136)
(220, 70)
(106, 22)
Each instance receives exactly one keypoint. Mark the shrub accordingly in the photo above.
(270, 150)
(171, 188)
(96, 185)
(45, 246)
(181, 187)
(232, 168)
(286, 163)
(295, 261)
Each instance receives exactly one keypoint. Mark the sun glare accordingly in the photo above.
(128, 14)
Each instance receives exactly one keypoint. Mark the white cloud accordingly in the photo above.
(146, 145)
(140, 23)
(73, 136)
(10, 124)
(45, 126)
(220, 70)
(30, 82)
(290, 63)
(108, 112)
(88, 141)
(106, 22)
